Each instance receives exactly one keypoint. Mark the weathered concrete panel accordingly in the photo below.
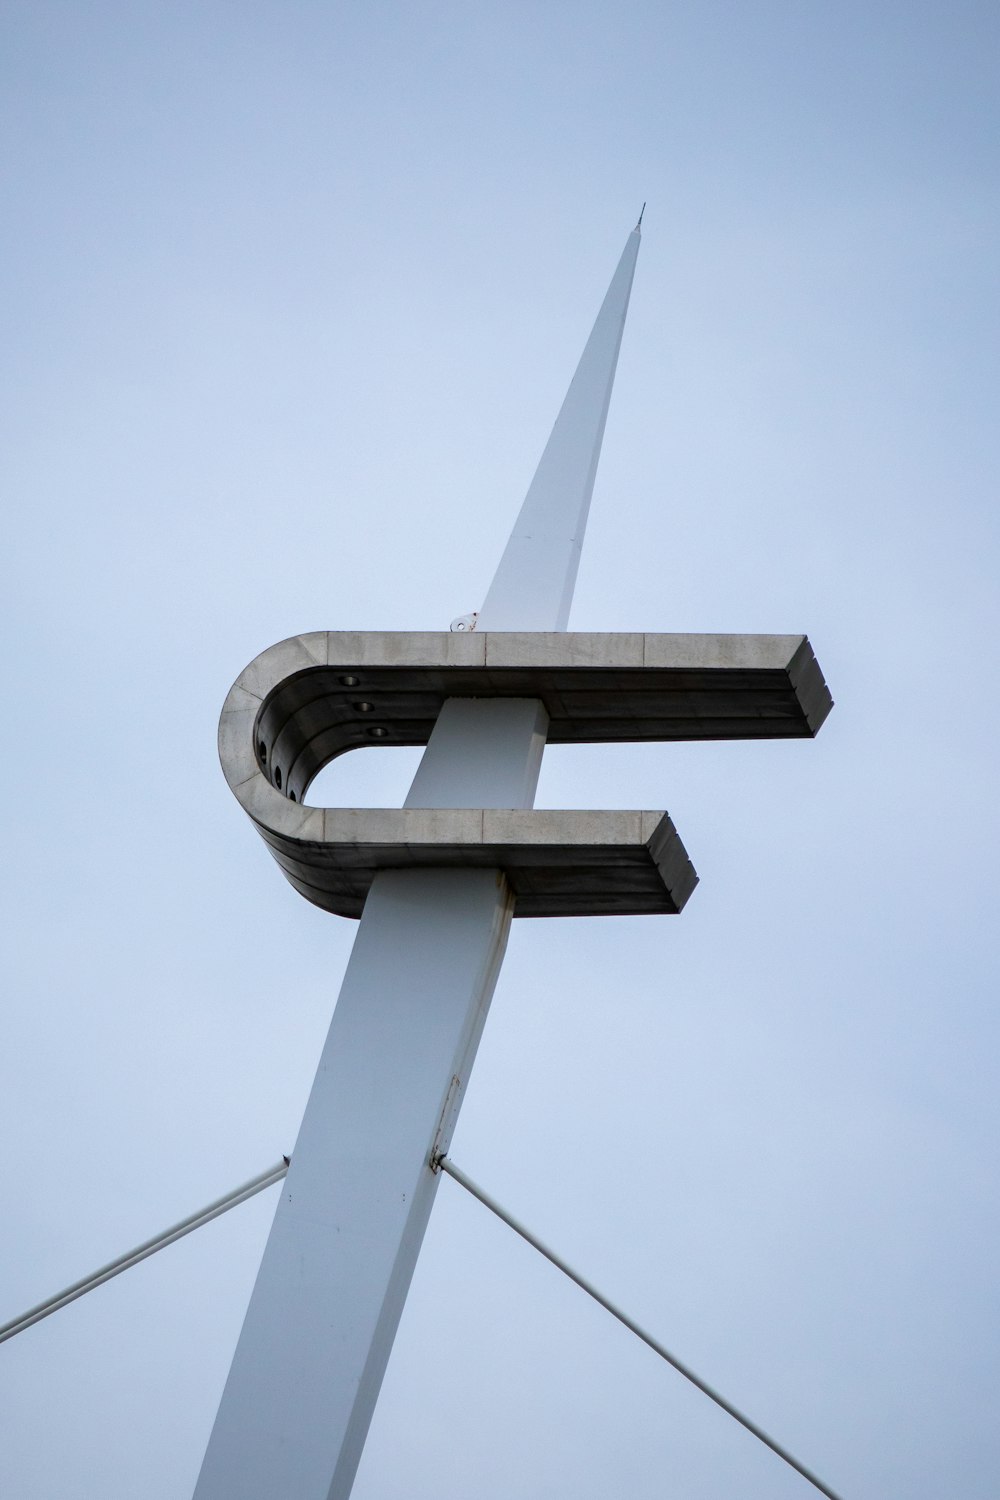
(389, 688)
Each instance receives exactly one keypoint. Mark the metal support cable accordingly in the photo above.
(147, 1248)
(445, 1164)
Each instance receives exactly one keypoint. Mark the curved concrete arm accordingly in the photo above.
(309, 699)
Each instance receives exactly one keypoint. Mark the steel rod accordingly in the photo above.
(148, 1247)
(447, 1165)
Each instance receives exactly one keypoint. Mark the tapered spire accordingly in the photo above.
(533, 586)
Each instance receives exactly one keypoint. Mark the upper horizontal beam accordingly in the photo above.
(315, 696)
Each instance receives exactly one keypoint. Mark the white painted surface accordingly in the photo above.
(330, 1291)
(533, 586)
(493, 759)
(355, 1204)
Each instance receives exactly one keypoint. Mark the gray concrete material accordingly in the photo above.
(312, 698)
(807, 681)
(624, 650)
(296, 653)
(557, 863)
(390, 687)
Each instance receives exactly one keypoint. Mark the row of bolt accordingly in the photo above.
(376, 732)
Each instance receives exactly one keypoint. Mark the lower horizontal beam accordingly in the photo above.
(557, 863)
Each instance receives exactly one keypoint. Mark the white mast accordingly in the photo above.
(356, 1201)
(533, 587)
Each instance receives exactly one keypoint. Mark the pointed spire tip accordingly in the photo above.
(638, 227)
(532, 588)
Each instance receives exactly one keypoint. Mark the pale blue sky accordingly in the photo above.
(293, 295)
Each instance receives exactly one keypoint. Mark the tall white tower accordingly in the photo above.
(436, 884)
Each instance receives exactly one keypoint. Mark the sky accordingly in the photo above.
(293, 294)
